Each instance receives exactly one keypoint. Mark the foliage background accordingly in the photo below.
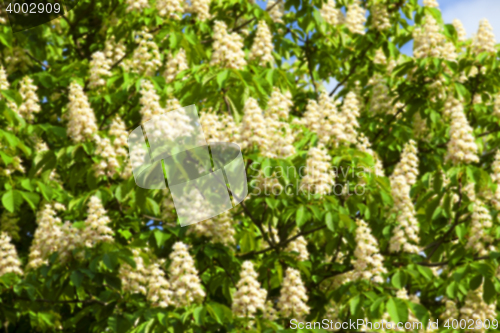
(85, 295)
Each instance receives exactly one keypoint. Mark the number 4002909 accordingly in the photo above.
(33, 8)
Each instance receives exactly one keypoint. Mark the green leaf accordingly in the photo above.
(110, 260)
(119, 324)
(489, 292)
(222, 78)
(12, 200)
(399, 279)
(31, 198)
(300, 216)
(355, 304)
(199, 315)
(475, 282)
(46, 190)
(329, 221)
(76, 278)
(397, 310)
(161, 237)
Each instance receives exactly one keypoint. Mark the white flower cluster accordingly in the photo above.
(150, 101)
(355, 18)
(451, 310)
(82, 122)
(368, 262)
(496, 106)
(175, 65)
(146, 57)
(46, 238)
(331, 14)
(277, 11)
(262, 47)
(495, 176)
(114, 51)
(108, 166)
(480, 225)
(228, 48)
(253, 129)
(118, 131)
(99, 69)
(319, 176)
(476, 309)
(462, 146)
(459, 27)
(298, 245)
(404, 176)
(4, 83)
(147, 280)
(484, 40)
(96, 224)
(350, 112)
(429, 41)
(380, 17)
(381, 100)
(364, 145)
(30, 103)
(184, 277)
(219, 127)
(170, 8)
(431, 3)
(293, 297)
(269, 312)
(137, 5)
(279, 134)
(200, 8)
(220, 229)
(249, 296)
(325, 120)
(408, 165)
(9, 261)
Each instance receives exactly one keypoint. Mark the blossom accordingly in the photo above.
(46, 238)
(277, 10)
(150, 101)
(146, 57)
(253, 128)
(158, 293)
(9, 224)
(380, 17)
(30, 104)
(368, 262)
(331, 14)
(9, 260)
(201, 8)
(184, 279)
(114, 51)
(484, 40)
(228, 48)
(219, 127)
(459, 27)
(279, 105)
(462, 146)
(298, 245)
(82, 122)
(355, 18)
(408, 165)
(481, 220)
(293, 297)
(96, 224)
(99, 68)
(118, 131)
(136, 5)
(429, 41)
(220, 229)
(175, 65)
(170, 8)
(249, 296)
(350, 112)
(325, 120)
(475, 308)
(108, 164)
(4, 83)
(319, 177)
(262, 47)
(431, 3)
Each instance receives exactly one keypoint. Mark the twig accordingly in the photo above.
(444, 263)
(35, 59)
